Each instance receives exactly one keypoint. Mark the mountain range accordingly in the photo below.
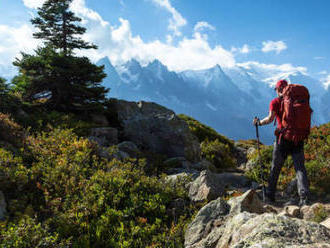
(226, 99)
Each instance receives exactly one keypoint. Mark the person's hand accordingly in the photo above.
(256, 121)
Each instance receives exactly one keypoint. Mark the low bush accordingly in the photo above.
(218, 154)
(87, 200)
(215, 147)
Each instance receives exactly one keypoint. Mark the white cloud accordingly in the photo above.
(326, 81)
(245, 49)
(323, 73)
(319, 58)
(79, 8)
(176, 21)
(203, 25)
(189, 53)
(277, 46)
(15, 40)
(271, 73)
(33, 4)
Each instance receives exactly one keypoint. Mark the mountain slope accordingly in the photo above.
(226, 99)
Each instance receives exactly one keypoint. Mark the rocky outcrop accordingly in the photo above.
(272, 231)
(239, 224)
(157, 129)
(207, 227)
(130, 148)
(312, 212)
(249, 202)
(326, 223)
(104, 136)
(209, 186)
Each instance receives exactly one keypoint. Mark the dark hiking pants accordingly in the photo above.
(280, 153)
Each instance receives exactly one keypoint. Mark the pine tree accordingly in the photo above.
(54, 73)
(58, 27)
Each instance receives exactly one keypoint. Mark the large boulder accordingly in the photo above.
(207, 227)
(237, 224)
(326, 223)
(209, 186)
(248, 202)
(272, 231)
(104, 136)
(157, 129)
(315, 211)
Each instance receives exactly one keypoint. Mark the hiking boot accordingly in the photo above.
(303, 202)
(291, 202)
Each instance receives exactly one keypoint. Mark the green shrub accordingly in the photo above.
(203, 132)
(28, 233)
(10, 131)
(218, 154)
(90, 201)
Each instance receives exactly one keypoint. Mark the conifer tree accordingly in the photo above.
(58, 27)
(68, 82)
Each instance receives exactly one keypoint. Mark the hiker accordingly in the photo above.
(284, 147)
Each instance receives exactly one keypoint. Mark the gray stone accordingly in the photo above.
(3, 206)
(130, 148)
(111, 153)
(209, 186)
(310, 212)
(207, 227)
(178, 162)
(291, 190)
(204, 165)
(249, 202)
(272, 231)
(104, 136)
(100, 120)
(326, 223)
(292, 211)
(157, 129)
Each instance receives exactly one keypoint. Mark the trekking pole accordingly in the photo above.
(261, 165)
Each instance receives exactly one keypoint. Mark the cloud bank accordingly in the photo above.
(120, 45)
(276, 46)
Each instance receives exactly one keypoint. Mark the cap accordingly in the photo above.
(281, 84)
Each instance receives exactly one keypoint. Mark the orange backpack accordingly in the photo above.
(296, 119)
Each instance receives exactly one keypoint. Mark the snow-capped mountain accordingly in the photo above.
(226, 99)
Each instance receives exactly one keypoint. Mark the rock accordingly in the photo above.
(291, 189)
(326, 223)
(219, 225)
(177, 162)
(100, 120)
(249, 202)
(182, 178)
(104, 136)
(240, 155)
(112, 153)
(130, 148)
(314, 212)
(272, 231)
(204, 165)
(292, 211)
(157, 129)
(3, 206)
(207, 227)
(209, 186)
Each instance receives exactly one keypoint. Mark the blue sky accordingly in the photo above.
(190, 34)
